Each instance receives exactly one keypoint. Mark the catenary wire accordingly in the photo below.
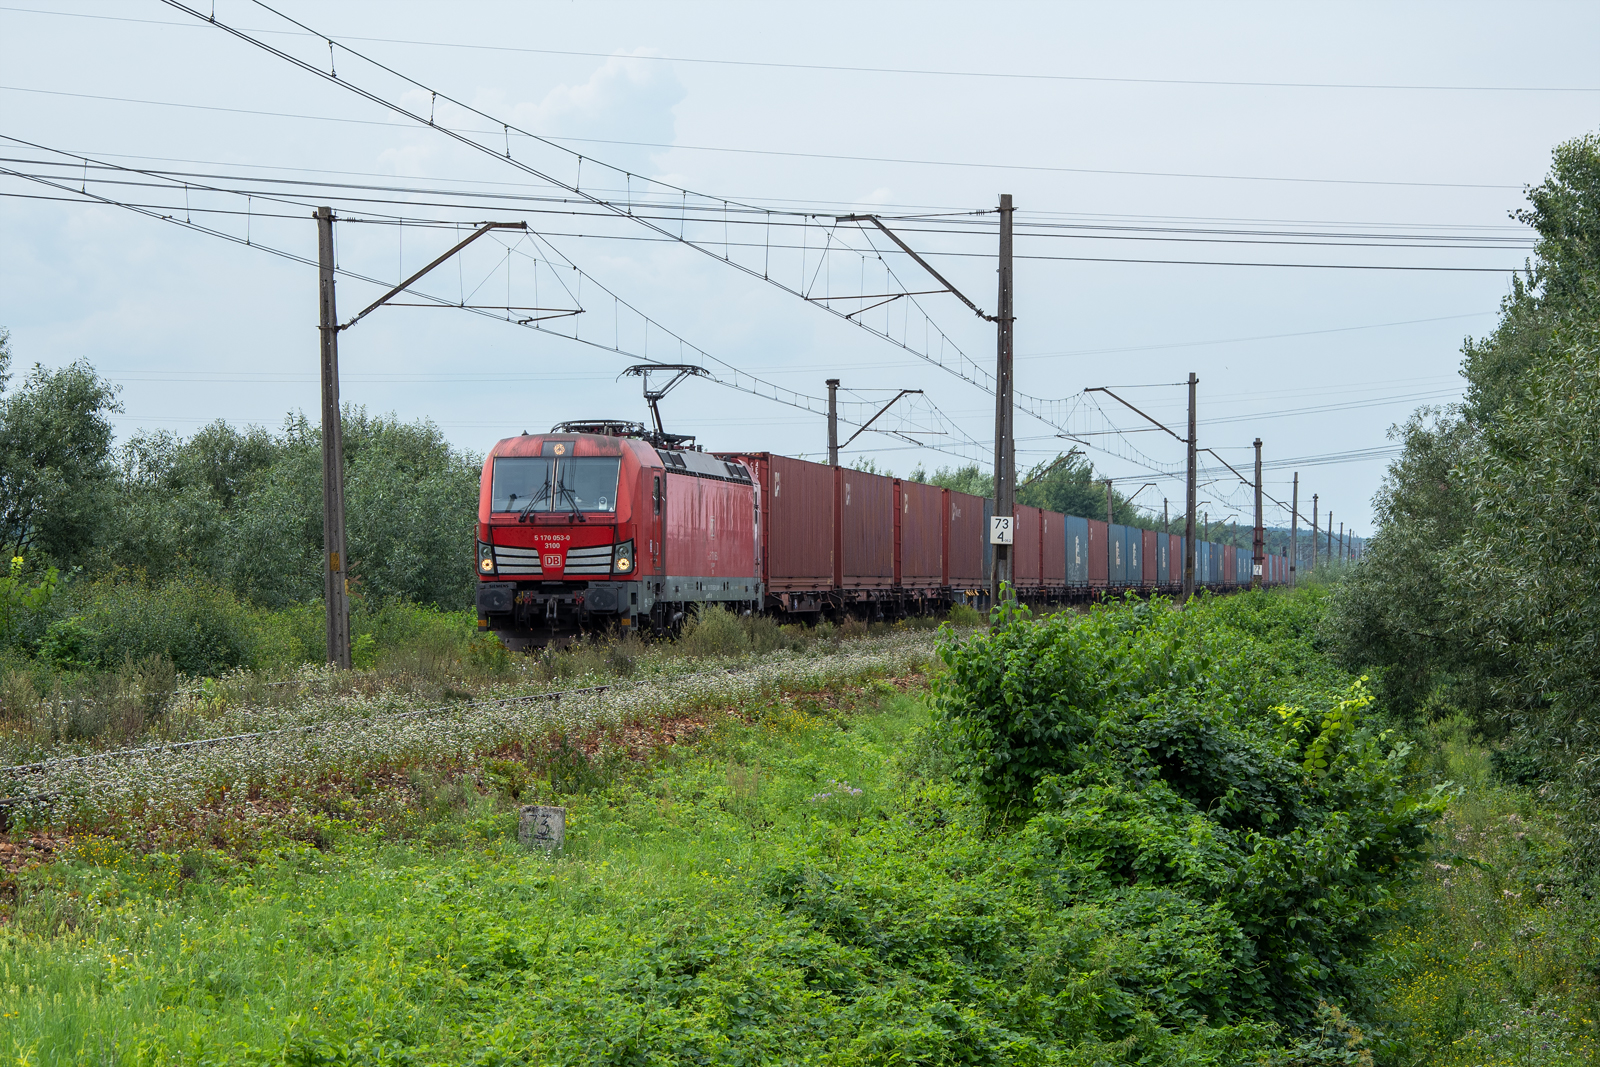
(87, 196)
(791, 154)
(914, 71)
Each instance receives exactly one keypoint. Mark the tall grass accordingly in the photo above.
(1493, 958)
(420, 938)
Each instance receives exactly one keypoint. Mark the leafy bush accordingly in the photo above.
(197, 624)
(714, 631)
(965, 615)
(20, 598)
(1196, 769)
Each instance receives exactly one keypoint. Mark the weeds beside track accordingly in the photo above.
(365, 735)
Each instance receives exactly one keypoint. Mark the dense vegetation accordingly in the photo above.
(1479, 591)
(1190, 865)
(207, 549)
(241, 510)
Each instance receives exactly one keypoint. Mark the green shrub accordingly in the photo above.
(20, 598)
(767, 634)
(965, 616)
(714, 631)
(486, 652)
(196, 624)
(364, 652)
(1193, 767)
(67, 645)
(291, 636)
(622, 654)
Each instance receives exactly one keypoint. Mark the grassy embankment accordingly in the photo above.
(420, 934)
(806, 883)
(1492, 958)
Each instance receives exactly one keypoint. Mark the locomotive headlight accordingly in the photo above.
(622, 558)
(485, 558)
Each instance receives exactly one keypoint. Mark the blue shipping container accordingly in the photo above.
(1134, 538)
(1163, 559)
(1077, 551)
(1117, 555)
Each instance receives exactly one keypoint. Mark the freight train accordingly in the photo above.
(602, 525)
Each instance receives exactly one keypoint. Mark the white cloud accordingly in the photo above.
(626, 98)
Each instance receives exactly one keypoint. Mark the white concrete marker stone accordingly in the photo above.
(542, 827)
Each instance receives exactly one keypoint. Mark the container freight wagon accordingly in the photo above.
(797, 512)
(1025, 549)
(1077, 552)
(1133, 538)
(967, 541)
(1053, 550)
(864, 533)
(1099, 553)
(920, 535)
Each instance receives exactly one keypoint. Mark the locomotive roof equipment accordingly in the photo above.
(679, 371)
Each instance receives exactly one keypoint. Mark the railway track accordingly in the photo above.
(181, 772)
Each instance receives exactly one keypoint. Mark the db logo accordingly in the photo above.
(553, 560)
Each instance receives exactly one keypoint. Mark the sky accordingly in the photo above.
(1222, 189)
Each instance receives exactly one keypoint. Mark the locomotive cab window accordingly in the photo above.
(520, 484)
(658, 494)
(539, 484)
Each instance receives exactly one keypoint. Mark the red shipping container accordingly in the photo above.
(965, 535)
(1025, 548)
(1053, 548)
(796, 522)
(1152, 558)
(921, 556)
(1230, 565)
(1175, 561)
(1099, 560)
(865, 530)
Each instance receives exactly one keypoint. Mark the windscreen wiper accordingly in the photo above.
(572, 497)
(527, 510)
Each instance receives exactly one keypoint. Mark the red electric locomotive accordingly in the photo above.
(591, 526)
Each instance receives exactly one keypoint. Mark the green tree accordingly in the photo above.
(244, 508)
(1478, 590)
(968, 479)
(56, 474)
(1069, 484)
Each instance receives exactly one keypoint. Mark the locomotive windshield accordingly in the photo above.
(538, 483)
